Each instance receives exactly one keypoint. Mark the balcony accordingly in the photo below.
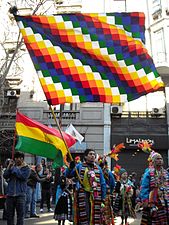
(7, 121)
(66, 116)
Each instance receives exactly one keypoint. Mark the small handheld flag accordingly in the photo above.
(71, 130)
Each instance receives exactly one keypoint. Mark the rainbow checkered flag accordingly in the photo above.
(90, 57)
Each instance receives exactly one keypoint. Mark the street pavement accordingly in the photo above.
(47, 219)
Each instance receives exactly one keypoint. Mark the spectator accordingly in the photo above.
(31, 191)
(16, 173)
(44, 167)
(46, 191)
(57, 174)
(3, 189)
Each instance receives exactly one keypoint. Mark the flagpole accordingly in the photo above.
(60, 115)
(14, 140)
(55, 119)
(13, 146)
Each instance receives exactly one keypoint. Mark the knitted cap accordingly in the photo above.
(122, 170)
(154, 155)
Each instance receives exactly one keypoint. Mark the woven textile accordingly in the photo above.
(90, 57)
(160, 199)
(89, 206)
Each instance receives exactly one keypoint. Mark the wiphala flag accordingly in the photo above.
(90, 57)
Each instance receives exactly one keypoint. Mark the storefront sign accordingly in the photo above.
(136, 141)
(159, 142)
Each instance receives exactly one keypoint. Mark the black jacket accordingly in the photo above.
(34, 178)
(46, 185)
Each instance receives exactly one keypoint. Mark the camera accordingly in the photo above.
(11, 163)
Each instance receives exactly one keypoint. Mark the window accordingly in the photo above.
(160, 52)
(156, 6)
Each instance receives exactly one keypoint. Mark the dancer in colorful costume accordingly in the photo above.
(123, 203)
(63, 208)
(155, 192)
(108, 217)
(90, 190)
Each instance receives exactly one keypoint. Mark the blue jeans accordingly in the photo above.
(30, 201)
(15, 203)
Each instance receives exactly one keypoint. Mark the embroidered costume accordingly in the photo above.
(63, 208)
(123, 203)
(88, 195)
(155, 190)
(107, 210)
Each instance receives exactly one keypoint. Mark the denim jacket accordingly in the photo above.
(17, 180)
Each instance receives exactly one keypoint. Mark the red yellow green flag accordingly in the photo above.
(38, 139)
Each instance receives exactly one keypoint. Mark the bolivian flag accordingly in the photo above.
(38, 139)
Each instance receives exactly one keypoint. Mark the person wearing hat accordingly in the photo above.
(154, 192)
(124, 192)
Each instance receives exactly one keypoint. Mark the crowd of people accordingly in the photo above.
(86, 192)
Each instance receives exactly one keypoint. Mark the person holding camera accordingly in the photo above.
(16, 174)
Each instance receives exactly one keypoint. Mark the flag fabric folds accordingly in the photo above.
(90, 57)
(38, 139)
(70, 129)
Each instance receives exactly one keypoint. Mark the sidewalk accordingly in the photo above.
(47, 219)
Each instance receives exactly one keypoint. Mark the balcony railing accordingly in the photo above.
(7, 120)
(66, 115)
(140, 114)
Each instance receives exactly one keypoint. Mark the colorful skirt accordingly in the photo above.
(63, 209)
(161, 217)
